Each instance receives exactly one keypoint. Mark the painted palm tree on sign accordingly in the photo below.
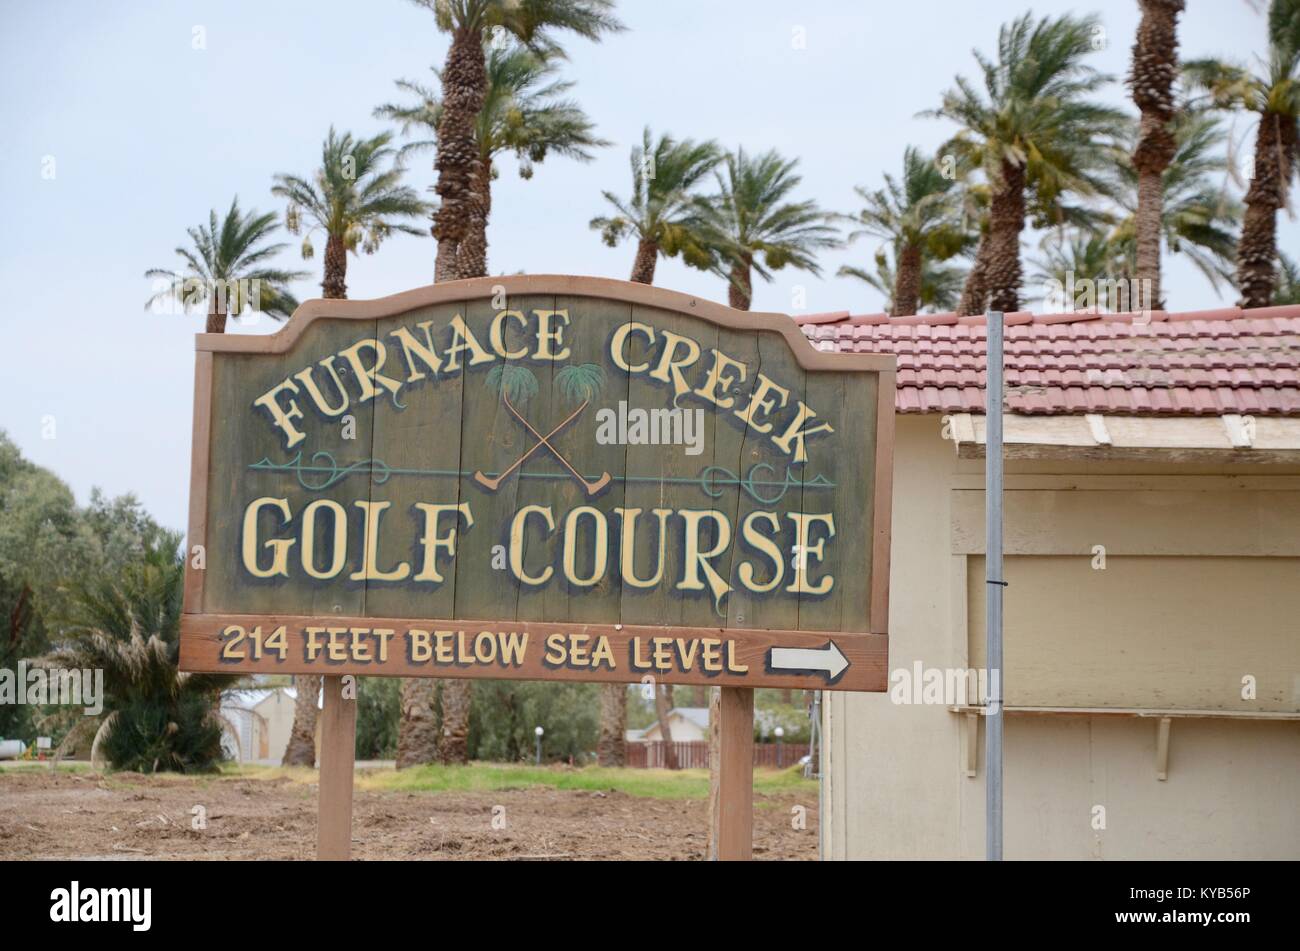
(227, 270)
(1151, 80)
(665, 211)
(524, 112)
(464, 76)
(752, 228)
(1035, 128)
(356, 198)
(920, 217)
(1272, 92)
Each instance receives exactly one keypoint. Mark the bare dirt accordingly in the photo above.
(130, 816)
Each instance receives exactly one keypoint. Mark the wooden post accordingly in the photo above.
(731, 775)
(338, 740)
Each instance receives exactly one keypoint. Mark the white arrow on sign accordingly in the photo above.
(826, 660)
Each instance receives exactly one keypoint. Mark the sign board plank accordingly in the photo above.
(540, 477)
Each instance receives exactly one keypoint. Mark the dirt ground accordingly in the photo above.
(130, 816)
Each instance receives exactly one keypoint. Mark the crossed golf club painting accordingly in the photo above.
(578, 384)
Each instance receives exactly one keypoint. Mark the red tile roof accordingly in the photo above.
(1203, 363)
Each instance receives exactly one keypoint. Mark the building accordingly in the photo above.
(259, 723)
(1152, 614)
(687, 725)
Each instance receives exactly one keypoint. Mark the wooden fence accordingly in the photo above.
(695, 754)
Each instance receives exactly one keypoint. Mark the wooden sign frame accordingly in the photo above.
(865, 650)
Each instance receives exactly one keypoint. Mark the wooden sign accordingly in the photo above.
(540, 478)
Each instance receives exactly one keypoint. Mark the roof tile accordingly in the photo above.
(1188, 364)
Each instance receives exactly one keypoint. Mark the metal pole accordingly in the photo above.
(994, 584)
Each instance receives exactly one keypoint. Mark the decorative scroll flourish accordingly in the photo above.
(760, 481)
(713, 484)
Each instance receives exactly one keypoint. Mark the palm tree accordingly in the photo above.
(1151, 80)
(357, 202)
(664, 212)
(1198, 217)
(750, 227)
(523, 112)
(1034, 131)
(919, 217)
(1072, 256)
(354, 199)
(938, 289)
(1287, 290)
(663, 704)
(154, 717)
(225, 270)
(1271, 91)
(464, 76)
(417, 726)
(611, 747)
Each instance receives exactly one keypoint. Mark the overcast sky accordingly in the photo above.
(146, 133)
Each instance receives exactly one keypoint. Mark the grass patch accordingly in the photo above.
(31, 766)
(495, 777)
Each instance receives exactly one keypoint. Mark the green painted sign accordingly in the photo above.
(541, 478)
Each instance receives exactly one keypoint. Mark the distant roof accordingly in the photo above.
(697, 715)
(250, 697)
(244, 699)
(1199, 363)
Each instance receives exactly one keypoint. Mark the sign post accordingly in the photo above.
(731, 716)
(994, 583)
(540, 478)
(338, 737)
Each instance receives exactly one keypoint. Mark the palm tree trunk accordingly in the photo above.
(715, 762)
(1150, 213)
(611, 748)
(647, 255)
(216, 323)
(1257, 247)
(453, 745)
(471, 256)
(740, 290)
(335, 285)
(417, 732)
(907, 282)
(665, 730)
(1155, 64)
(464, 85)
(974, 291)
(301, 750)
(1006, 222)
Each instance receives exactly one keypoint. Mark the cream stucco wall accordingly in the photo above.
(277, 709)
(1202, 588)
